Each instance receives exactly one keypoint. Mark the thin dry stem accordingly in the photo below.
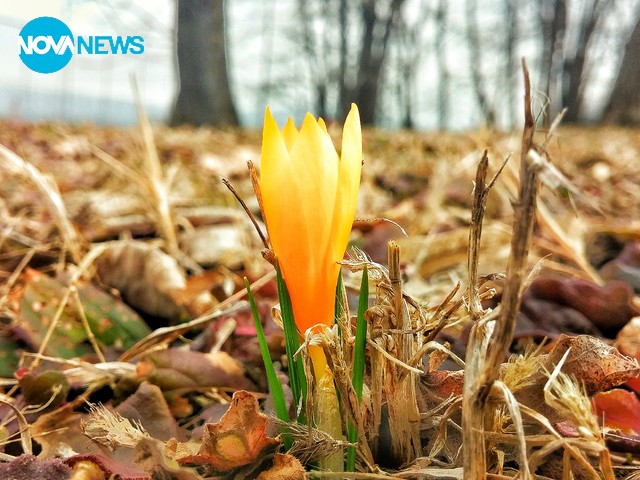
(478, 208)
(244, 206)
(52, 199)
(25, 436)
(156, 183)
(516, 418)
(490, 341)
(85, 323)
(404, 417)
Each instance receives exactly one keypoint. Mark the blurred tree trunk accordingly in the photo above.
(316, 57)
(205, 94)
(574, 75)
(554, 26)
(475, 63)
(511, 66)
(376, 31)
(443, 70)
(343, 102)
(624, 103)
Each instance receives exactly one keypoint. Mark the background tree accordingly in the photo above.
(204, 92)
(377, 25)
(476, 54)
(624, 103)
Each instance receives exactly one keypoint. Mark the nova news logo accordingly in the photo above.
(47, 45)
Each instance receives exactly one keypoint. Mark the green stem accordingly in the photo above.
(358, 362)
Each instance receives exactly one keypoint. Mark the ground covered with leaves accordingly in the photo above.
(127, 347)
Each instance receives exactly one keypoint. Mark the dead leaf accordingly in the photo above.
(151, 456)
(37, 300)
(626, 266)
(285, 467)
(598, 365)
(149, 407)
(29, 467)
(110, 467)
(619, 409)
(226, 245)
(59, 432)
(237, 440)
(442, 384)
(607, 307)
(628, 339)
(178, 369)
(39, 388)
(144, 275)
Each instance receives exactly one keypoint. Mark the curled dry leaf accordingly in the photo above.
(239, 439)
(440, 385)
(285, 467)
(151, 456)
(598, 365)
(145, 276)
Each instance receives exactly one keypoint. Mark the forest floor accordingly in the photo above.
(124, 332)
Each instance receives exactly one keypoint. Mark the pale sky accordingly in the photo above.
(261, 47)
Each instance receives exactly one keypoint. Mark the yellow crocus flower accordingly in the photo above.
(309, 196)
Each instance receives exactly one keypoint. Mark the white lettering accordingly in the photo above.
(42, 44)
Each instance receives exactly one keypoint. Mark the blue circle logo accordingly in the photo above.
(46, 44)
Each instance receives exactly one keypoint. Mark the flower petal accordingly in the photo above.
(348, 183)
(289, 133)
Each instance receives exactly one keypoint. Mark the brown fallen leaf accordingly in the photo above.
(148, 407)
(239, 439)
(151, 456)
(607, 307)
(628, 342)
(59, 431)
(440, 385)
(598, 365)
(144, 275)
(183, 369)
(285, 467)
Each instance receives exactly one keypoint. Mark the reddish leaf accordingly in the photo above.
(238, 439)
(443, 384)
(110, 467)
(608, 307)
(619, 409)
